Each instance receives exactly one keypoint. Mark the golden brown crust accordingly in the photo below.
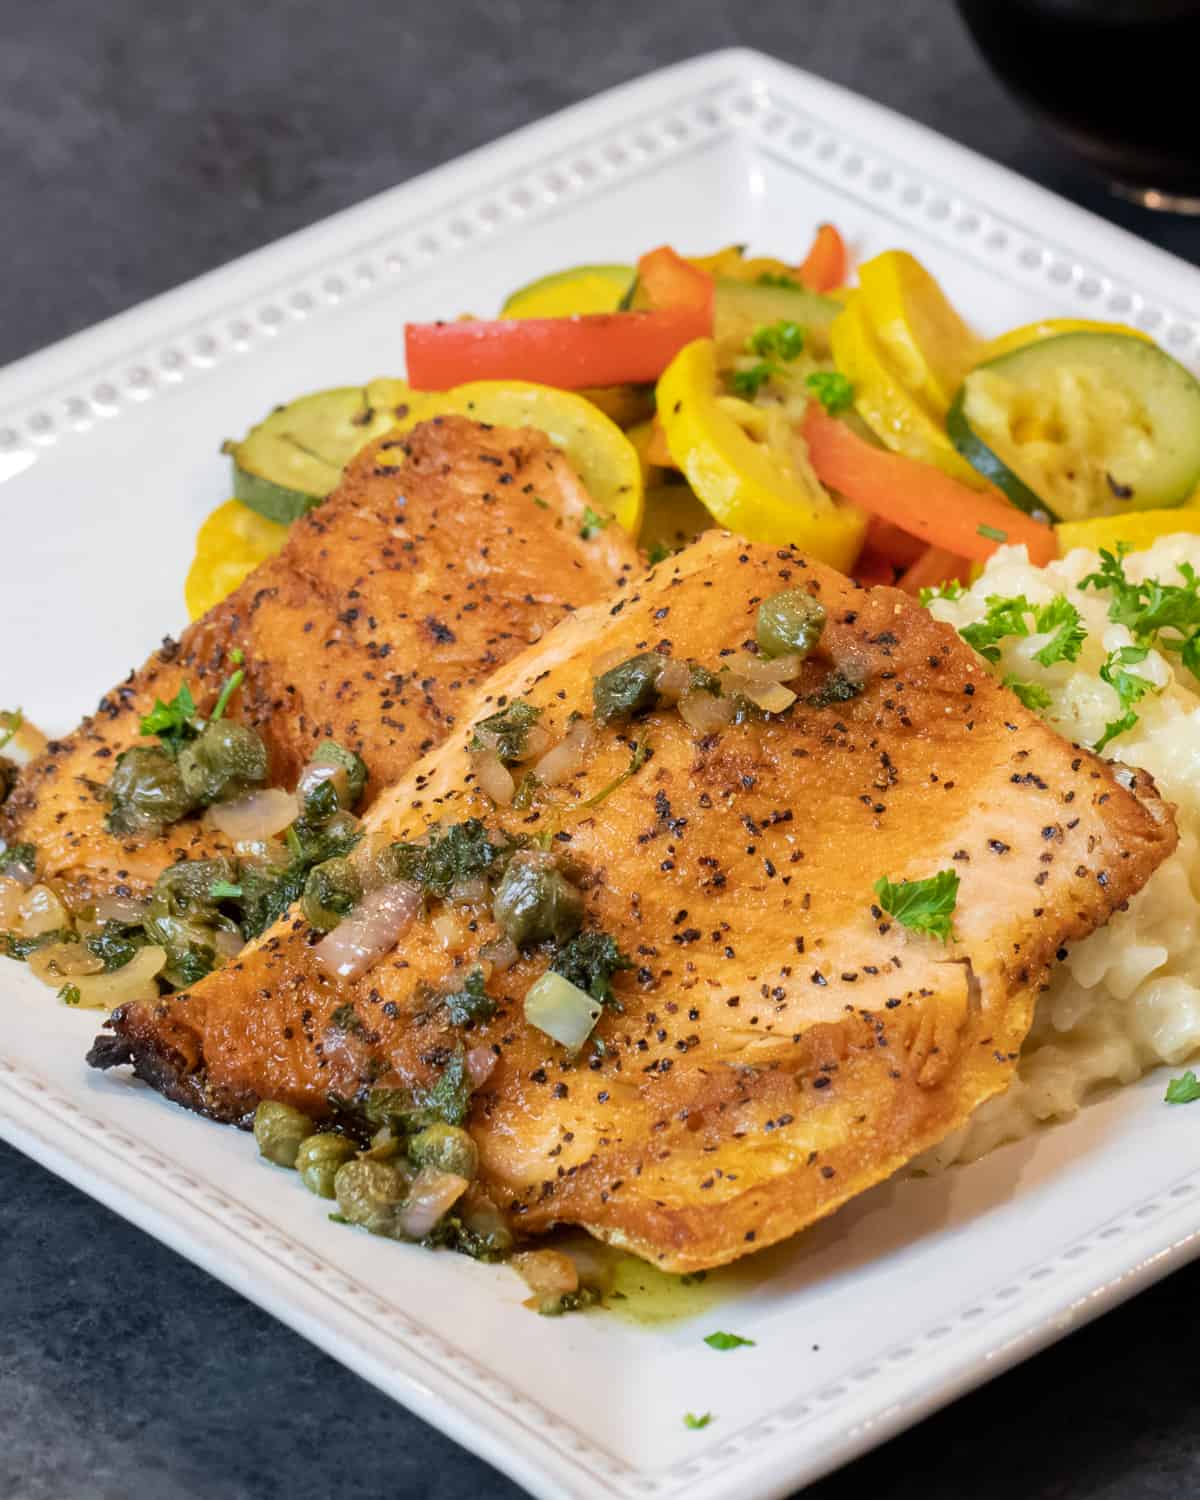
(429, 567)
(783, 1044)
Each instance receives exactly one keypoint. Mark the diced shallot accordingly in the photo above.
(673, 681)
(125, 909)
(132, 982)
(705, 712)
(372, 929)
(39, 910)
(58, 961)
(481, 1062)
(450, 929)
(566, 758)
(501, 954)
(493, 777)
(261, 815)
(765, 668)
(771, 697)
(547, 1273)
(432, 1195)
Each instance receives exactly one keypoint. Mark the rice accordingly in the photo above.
(1127, 998)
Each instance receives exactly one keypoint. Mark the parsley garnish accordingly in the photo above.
(1032, 694)
(17, 857)
(773, 278)
(783, 340)
(658, 553)
(748, 383)
(1006, 616)
(993, 533)
(727, 1341)
(229, 686)
(224, 890)
(1063, 622)
(641, 754)
(174, 723)
(832, 390)
(593, 522)
(589, 960)
(922, 905)
(951, 589)
(471, 1001)
(339, 1219)
(1183, 1090)
(1150, 607)
(1128, 686)
(509, 729)
(69, 994)
(694, 1423)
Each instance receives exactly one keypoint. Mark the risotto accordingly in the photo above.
(1127, 998)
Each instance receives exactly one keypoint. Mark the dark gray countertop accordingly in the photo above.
(142, 145)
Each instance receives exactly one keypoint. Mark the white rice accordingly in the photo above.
(1126, 999)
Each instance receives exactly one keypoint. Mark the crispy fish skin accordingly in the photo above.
(439, 558)
(783, 1043)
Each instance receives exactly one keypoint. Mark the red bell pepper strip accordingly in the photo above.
(934, 566)
(667, 280)
(594, 349)
(824, 267)
(917, 497)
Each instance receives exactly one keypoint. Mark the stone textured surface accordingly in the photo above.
(143, 145)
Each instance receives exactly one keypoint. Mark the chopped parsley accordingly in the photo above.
(992, 533)
(922, 905)
(951, 589)
(116, 943)
(783, 340)
(1128, 686)
(776, 344)
(1032, 694)
(694, 1423)
(19, 857)
(462, 851)
(69, 994)
(832, 390)
(508, 729)
(592, 522)
(174, 723)
(658, 553)
(471, 1001)
(1148, 608)
(747, 383)
(229, 686)
(1183, 1090)
(588, 961)
(1006, 616)
(225, 890)
(641, 754)
(775, 278)
(407, 1111)
(728, 1341)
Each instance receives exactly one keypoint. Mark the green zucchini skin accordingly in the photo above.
(1166, 393)
(274, 501)
(985, 462)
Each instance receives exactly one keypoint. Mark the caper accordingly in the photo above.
(279, 1129)
(446, 1147)
(146, 790)
(370, 1193)
(535, 901)
(331, 891)
(318, 1160)
(628, 687)
(224, 761)
(183, 916)
(790, 621)
(334, 767)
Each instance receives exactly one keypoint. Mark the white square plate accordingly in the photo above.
(109, 459)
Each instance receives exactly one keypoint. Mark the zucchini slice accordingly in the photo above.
(743, 306)
(1082, 424)
(294, 458)
(566, 294)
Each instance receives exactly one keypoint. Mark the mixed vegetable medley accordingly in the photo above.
(867, 424)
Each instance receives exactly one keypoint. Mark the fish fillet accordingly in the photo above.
(439, 558)
(783, 1043)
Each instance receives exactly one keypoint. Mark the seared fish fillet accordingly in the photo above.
(783, 1043)
(439, 558)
